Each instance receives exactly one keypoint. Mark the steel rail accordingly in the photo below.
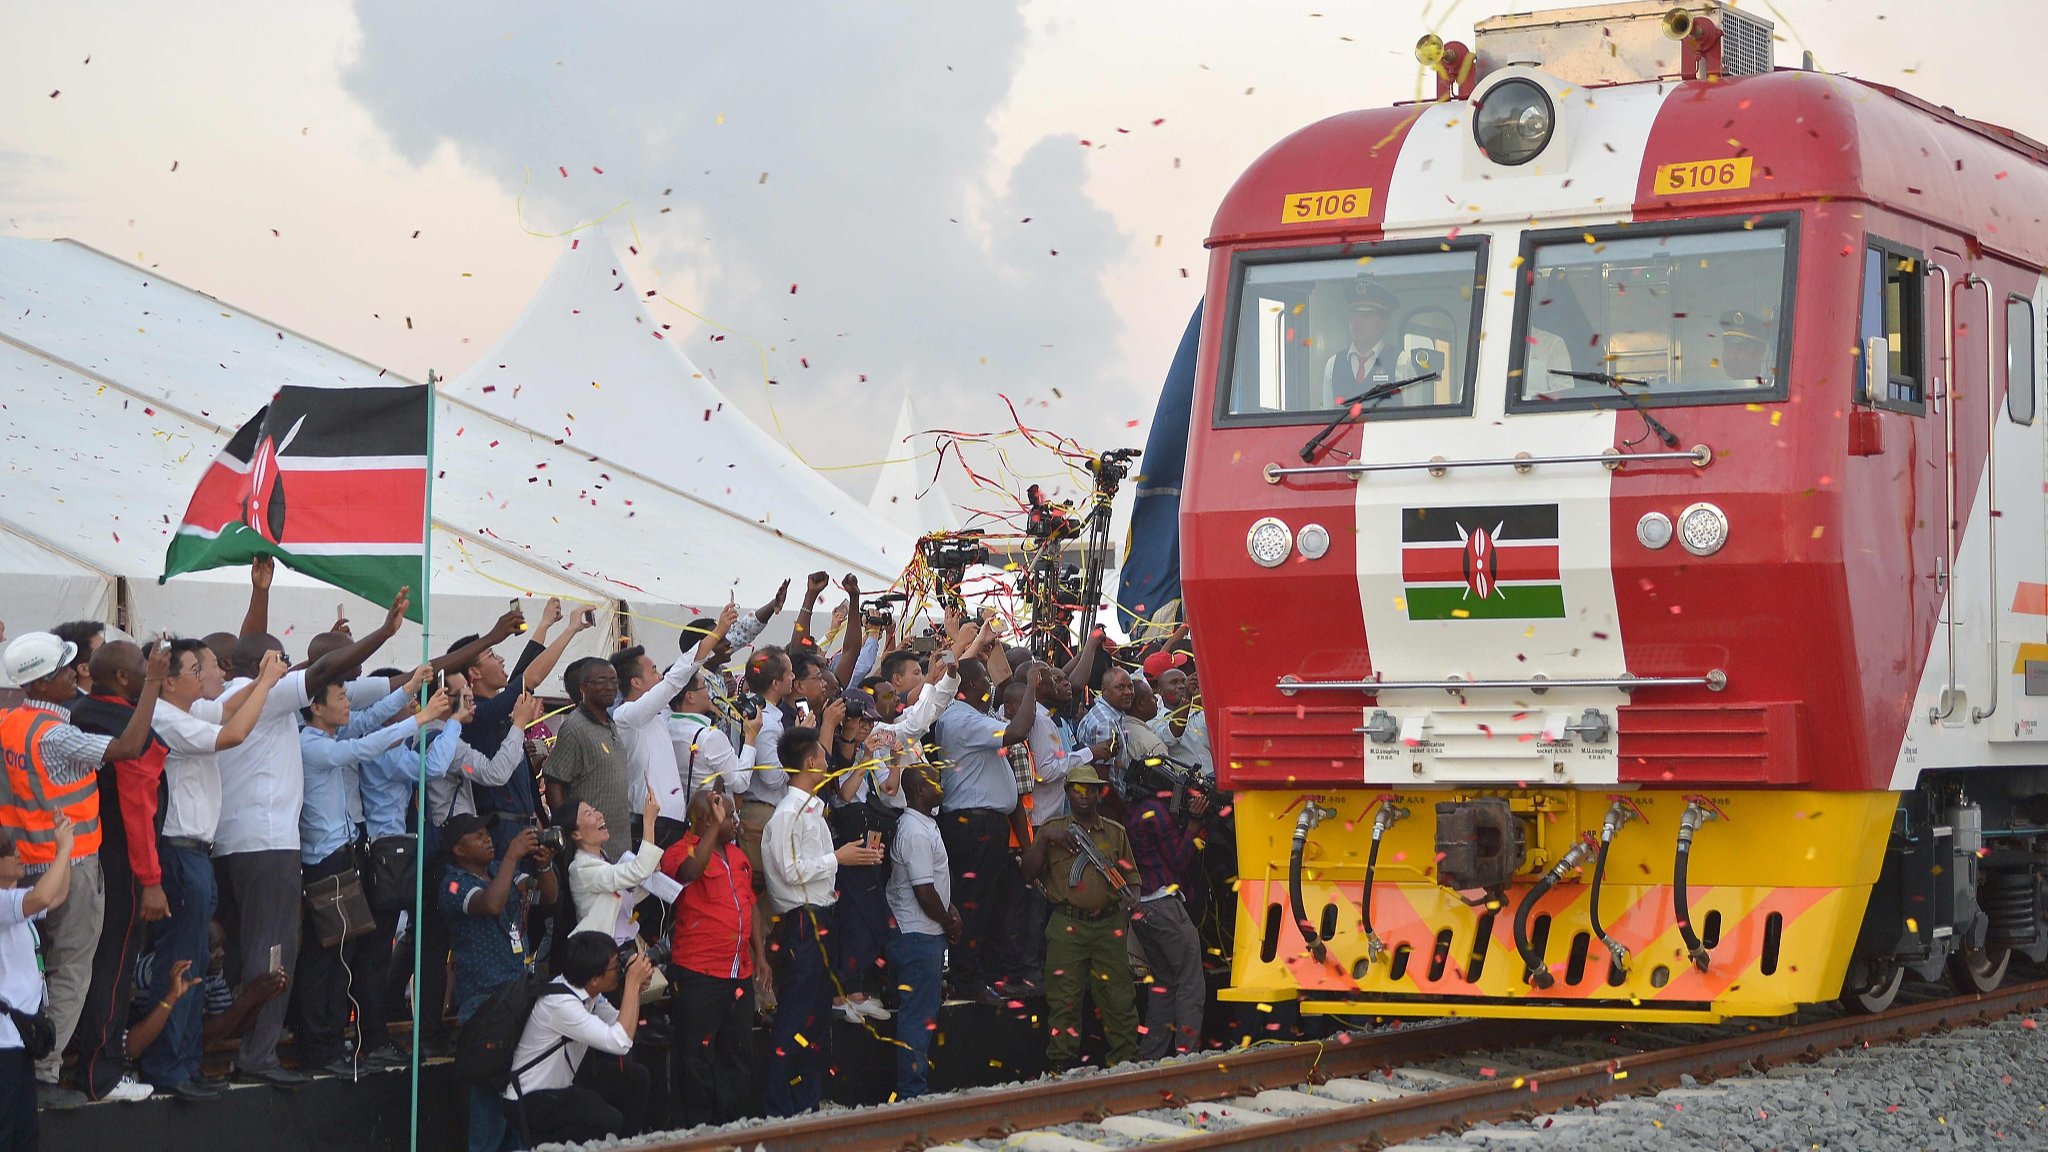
(977, 1115)
(1410, 1117)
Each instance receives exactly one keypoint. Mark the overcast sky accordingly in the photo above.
(882, 158)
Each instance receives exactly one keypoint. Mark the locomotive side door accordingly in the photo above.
(2022, 605)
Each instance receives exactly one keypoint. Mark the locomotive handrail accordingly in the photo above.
(1714, 681)
(1700, 456)
(1991, 407)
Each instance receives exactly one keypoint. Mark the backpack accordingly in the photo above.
(483, 1049)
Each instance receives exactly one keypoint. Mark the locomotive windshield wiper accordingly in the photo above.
(1372, 395)
(1634, 401)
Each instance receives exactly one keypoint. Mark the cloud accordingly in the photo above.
(882, 202)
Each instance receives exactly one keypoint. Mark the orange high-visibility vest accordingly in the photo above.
(29, 800)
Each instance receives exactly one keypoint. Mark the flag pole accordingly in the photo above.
(419, 900)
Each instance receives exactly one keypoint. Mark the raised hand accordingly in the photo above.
(815, 586)
(262, 570)
(159, 663)
(440, 707)
(551, 613)
(272, 668)
(510, 624)
(181, 983)
(400, 604)
(526, 712)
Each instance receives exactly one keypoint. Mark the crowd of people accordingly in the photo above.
(204, 843)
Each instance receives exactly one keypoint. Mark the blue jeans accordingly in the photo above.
(918, 958)
(189, 889)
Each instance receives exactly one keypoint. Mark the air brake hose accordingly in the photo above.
(1312, 814)
(1381, 821)
(1535, 971)
(1695, 815)
(1617, 816)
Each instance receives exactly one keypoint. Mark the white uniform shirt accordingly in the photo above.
(771, 780)
(263, 779)
(21, 982)
(1191, 747)
(909, 728)
(587, 1024)
(191, 769)
(918, 857)
(796, 852)
(702, 751)
(642, 723)
(1051, 760)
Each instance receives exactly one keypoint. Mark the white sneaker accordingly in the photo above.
(129, 1089)
(870, 1008)
(847, 1009)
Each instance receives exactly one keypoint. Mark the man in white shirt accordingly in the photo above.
(21, 977)
(702, 749)
(572, 1078)
(770, 679)
(1374, 357)
(256, 844)
(921, 899)
(796, 848)
(1181, 725)
(189, 720)
(642, 723)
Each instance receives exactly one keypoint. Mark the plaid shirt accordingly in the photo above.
(1161, 846)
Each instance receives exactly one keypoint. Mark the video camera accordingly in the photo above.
(1110, 468)
(953, 552)
(1045, 520)
(1158, 775)
(876, 609)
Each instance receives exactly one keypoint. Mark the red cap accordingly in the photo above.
(1159, 662)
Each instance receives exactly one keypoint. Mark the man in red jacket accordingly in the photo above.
(715, 951)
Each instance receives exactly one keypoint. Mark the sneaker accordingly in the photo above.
(386, 1059)
(129, 1089)
(55, 1099)
(846, 1009)
(216, 1083)
(275, 1077)
(870, 1008)
(345, 1068)
(193, 1091)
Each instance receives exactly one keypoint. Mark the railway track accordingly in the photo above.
(1328, 1094)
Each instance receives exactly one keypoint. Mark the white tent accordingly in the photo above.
(909, 494)
(119, 387)
(585, 347)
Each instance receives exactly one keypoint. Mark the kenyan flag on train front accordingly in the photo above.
(1492, 562)
(331, 481)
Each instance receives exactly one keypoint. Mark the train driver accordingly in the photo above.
(1375, 356)
(1746, 342)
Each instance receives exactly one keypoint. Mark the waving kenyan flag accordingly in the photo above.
(331, 481)
(1490, 562)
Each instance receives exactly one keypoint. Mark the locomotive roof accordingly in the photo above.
(1810, 135)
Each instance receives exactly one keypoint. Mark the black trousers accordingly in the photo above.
(321, 990)
(102, 1033)
(712, 1022)
(18, 1128)
(609, 1098)
(986, 883)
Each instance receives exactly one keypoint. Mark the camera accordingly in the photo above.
(1046, 520)
(550, 838)
(957, 551)
(748, 705)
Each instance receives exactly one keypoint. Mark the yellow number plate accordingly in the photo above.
(1336, 204)
(1703, 175)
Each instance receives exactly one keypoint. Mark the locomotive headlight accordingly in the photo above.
(1513, 121)
(1313, 540)
(1269, 542)
(1653, 530)
(1703, 529)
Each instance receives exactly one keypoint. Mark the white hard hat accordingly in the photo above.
(34, 655)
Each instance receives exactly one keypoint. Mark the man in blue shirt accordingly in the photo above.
(485, 902)
(978, 793)
(327, 839)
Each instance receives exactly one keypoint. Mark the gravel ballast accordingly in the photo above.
(1977, 1087)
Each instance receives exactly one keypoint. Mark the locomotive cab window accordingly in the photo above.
(1695, 312)
(1889, 344)
(2019, 360)
(1390, 327)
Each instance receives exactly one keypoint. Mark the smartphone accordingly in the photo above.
(515, 607)
(277, 958)
(874, 839)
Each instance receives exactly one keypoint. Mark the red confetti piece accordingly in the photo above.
(596, 169)
(565, 175)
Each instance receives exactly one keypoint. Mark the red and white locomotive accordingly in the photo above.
(1614, 534)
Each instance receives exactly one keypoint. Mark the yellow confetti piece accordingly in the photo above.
(1400, 605)
(1460, 613)
(1818, 529)
(1530, 632)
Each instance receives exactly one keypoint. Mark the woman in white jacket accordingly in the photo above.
(605, 892)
